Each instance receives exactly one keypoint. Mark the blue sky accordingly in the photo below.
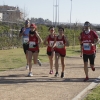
(82, 10)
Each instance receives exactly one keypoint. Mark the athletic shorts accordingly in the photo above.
(34, 51)
(90, 57)
(49, 53)
(25, 47)
(60, 54)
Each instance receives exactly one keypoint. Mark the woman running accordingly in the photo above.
(33, 51)
(60, 50)
(49, 43)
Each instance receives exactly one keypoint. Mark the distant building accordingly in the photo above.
(1, 16)
(10, 13)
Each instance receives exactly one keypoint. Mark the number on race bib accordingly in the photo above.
(31, 44)
(51, 43)
(59, 44)
(26, 40)
(86, 46)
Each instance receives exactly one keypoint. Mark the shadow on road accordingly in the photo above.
(15, 79)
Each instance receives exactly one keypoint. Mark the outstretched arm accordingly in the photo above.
(45, 41)
(66, 41)
(40, 39)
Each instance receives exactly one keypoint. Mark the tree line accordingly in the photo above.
(9, 34)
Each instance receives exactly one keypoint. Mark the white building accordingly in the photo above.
(1, 15)
(10, 13)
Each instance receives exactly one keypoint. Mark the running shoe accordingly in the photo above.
(56, 74)
(93, 68)
(51, 72)
(86, 79)
(27, 66)
(30, 74)
(62, 74)
(39, 62)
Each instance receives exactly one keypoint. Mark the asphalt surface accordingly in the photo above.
(15, 85)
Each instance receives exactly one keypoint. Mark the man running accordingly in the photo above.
(88, 38)
(25, 38)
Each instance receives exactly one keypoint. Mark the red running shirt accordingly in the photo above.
(86, 39)
(50, 42)
(60, 46)
(33, 42)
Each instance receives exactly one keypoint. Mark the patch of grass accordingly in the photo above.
(14, 58)
(43, 55)
(94, 95)
(73, 51)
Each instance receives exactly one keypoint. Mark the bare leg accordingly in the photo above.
(30, 60)
(92, 67)
(81, 51)
(35, 57)
(26, 56)
(56, 61)
(62, 63)
(51, 61)
(86, 68)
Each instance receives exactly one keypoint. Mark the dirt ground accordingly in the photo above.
(15, 85)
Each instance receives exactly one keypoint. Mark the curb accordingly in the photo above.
(87, 89)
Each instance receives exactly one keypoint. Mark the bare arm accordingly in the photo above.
(45, 41)
(21, 32)
(40, 39)
(95, 42)
(66, 41)
(54, 44)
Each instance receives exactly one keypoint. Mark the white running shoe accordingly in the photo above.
(30, 74)
(27, 66)
(39, 62)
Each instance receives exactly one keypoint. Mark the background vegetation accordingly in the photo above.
(9, 35)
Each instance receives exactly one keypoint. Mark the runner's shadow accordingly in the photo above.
(13, 80)
(81, 80)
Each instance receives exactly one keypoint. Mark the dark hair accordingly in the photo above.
(27, 21)
(87, 24)
(50, 28)
(60, 28)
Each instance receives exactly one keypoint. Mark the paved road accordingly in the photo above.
(15, 85)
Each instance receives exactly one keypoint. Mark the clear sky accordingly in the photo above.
(82, 10)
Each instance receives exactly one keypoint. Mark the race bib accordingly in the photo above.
(31, 44)
(59, 44)
(25, 40)
(86, 46)
(51, 43)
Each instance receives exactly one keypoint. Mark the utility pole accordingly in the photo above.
(70, 14)
(56, 12)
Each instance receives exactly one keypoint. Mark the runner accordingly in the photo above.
(88, 38)
(49, 43)
(60, 50)
(24, 33)
(34, 41)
